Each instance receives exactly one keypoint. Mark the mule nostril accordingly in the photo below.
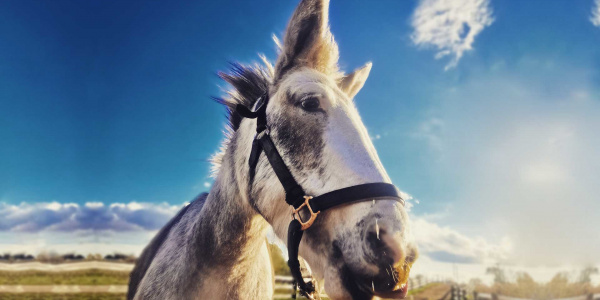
(375, 242)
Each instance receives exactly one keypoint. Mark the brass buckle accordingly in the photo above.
(313, 215)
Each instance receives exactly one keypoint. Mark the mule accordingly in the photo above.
(215, 248)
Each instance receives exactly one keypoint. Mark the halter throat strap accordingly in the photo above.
(297, 197)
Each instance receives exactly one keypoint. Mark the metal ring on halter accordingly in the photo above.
(313, 215)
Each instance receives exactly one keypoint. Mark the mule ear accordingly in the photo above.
(353, 82)
(307, 41)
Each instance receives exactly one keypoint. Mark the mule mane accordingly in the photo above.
(247, 83)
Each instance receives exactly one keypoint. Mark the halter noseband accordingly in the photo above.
(295, 195)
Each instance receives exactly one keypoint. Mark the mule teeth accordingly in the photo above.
(399, 287)
(373, 285)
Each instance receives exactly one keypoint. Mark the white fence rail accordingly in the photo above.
(284, 288)
(74, 266)
(63, 289)
(488, 296)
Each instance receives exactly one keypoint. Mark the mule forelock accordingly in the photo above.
(247, 83)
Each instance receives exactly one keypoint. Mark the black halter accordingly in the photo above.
(295, 195)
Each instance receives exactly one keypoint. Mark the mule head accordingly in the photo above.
(361, 250)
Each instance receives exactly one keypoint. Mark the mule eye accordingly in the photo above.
(310, 104)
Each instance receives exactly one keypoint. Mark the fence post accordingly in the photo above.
(474, 295)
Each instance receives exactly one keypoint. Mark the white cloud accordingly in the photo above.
(81, 242)
(89, 228)
(430, 131)
(94, 205)
(376, 136)
(596, 14)
(450, 26)
(444, 244)
(96, 216)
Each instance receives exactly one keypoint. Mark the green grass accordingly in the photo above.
(84, 277)
(419, 290)
(62, 297)
(279, 264)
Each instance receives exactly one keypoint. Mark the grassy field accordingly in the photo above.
(87, 277)
(421, 289)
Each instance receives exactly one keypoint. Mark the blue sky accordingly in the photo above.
(109, 102)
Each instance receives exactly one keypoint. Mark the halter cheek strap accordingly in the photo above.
(297, 197)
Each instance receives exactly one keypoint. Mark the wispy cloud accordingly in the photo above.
(596, 13)
(70, 217)
(450, 26)
(447, 245)
(431, 131)
(521, 149)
